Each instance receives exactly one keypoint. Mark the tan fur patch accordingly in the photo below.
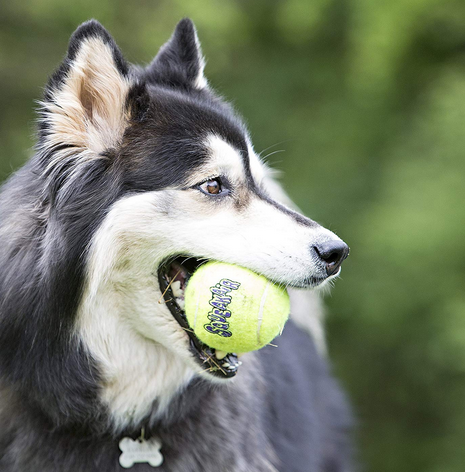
(88, 110)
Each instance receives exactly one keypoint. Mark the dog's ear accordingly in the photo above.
(84, 107)
(179, 62)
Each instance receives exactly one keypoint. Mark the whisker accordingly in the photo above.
(273, 145)
(264, 158)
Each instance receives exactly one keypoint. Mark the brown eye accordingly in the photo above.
(212, 187)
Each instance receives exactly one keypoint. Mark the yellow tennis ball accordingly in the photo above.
(233, 309)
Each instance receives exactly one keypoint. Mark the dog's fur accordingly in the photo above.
(88, 354)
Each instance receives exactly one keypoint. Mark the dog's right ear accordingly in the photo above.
(84, 111)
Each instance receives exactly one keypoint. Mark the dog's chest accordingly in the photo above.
(221, 430)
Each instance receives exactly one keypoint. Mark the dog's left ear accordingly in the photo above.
(179, 63)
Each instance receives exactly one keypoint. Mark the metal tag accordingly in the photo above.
(140, 450)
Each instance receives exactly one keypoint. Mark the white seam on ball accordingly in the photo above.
(260, 311)
(196, 309)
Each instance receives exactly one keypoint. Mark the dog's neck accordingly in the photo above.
(139, 377)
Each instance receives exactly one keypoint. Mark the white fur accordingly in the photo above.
(135, 339)
(142, 351)
(224, 160)
(200, 81)
(307, 312)
(260, 171)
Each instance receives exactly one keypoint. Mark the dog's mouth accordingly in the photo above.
(173, 276)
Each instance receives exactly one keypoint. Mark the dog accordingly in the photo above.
(141, 174)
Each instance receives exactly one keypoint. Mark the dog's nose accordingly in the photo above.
(332, 253)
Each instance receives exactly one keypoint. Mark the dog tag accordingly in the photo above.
(140, 450)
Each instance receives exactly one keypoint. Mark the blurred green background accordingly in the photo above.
(366, 100)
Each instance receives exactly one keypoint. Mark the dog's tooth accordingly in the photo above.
(176, 289)
(225, 364)
(181, 303)
(220, 354)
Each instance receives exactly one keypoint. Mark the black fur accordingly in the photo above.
(283, 409)
(178, 63)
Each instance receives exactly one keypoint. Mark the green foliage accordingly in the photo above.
(368, 101)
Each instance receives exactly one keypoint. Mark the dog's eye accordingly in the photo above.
(212, 187)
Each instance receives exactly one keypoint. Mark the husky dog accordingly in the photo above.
(140, 175)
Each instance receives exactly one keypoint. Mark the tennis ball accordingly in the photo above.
(233, 309)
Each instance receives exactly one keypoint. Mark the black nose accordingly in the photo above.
(332, 253)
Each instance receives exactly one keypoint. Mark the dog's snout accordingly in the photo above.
(332, 253)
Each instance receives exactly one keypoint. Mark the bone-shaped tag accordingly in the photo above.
(140, 450)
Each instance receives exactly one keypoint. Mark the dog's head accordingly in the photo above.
(168, 176)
